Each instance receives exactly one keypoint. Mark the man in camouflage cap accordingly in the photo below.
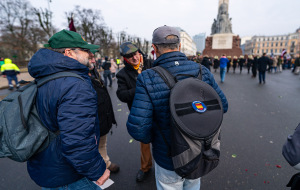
(135, 62)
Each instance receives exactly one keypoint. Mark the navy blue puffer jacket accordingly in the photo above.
(152, 101)
(67, 104)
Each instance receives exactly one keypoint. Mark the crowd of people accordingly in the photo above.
(253, 63)
(82, 111)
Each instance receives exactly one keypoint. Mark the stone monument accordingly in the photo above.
(222, 40)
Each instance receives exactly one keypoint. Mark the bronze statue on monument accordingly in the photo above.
(222, 40)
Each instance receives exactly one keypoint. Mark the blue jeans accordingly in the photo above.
(169, 180)
(107, 74)
(82, 184)
(222, 74)
(262, 76)
(11, 78)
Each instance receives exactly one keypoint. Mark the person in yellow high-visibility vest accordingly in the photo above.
(118, 62)
(10, 71)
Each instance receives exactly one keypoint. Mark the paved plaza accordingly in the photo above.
(259, 119)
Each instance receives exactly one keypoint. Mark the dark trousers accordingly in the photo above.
(262, 76)
(106, 75)
(11, 78)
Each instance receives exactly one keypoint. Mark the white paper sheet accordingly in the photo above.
(108, 183)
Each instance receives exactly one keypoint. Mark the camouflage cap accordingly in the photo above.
(128, 48)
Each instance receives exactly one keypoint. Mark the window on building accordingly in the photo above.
(267, 50)
(268, 44)
(271, 50)
(280, 43)
(276, 44)
(275, 50)
(272, 44)
(263, 44)
(286, 44)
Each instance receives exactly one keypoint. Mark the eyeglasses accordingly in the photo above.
(82, 49)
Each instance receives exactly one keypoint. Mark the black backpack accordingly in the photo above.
(196, 116)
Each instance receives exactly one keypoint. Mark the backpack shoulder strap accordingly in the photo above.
(200, 72)
(46, 79)
(165, 75)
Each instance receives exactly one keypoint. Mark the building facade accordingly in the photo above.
(188, 46)
(199, 40)
(273, 45)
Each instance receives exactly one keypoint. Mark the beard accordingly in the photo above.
(83, 60)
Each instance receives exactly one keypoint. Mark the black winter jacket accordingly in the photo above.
(262, 63)
(127, 81)
(105, 109)
(206, 62)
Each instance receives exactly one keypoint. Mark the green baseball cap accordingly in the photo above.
(69, 39)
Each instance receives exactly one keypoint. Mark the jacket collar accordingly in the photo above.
(170, 57)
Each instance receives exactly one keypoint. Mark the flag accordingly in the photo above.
(71, 25)
(283, 52)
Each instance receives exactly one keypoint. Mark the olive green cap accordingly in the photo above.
(69, 39)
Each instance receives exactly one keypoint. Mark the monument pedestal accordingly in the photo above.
(219, 44)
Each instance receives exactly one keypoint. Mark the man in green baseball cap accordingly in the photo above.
(67, 105)
(71, 44)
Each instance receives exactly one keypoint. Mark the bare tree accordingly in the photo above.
(44, 17)
(20, 33)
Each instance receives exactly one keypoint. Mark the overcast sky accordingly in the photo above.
(141, 17)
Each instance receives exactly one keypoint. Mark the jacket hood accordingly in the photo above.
(7, 61)
(169, 57)
(45, 62)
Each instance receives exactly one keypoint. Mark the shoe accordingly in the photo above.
(113, 168)
(141, 176)
(10, 88)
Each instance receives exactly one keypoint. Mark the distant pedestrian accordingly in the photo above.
(229, 63)
(248, 62)
(279, 63)
(234, 63)
(118, 62)
(113, 68)
(274, 64)
(216, 63)
(107, 74)
(206, 62)
(297, 65)
(10, 71)
(254, 66)
(223, 65)
(241, 63)
(262, 68)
